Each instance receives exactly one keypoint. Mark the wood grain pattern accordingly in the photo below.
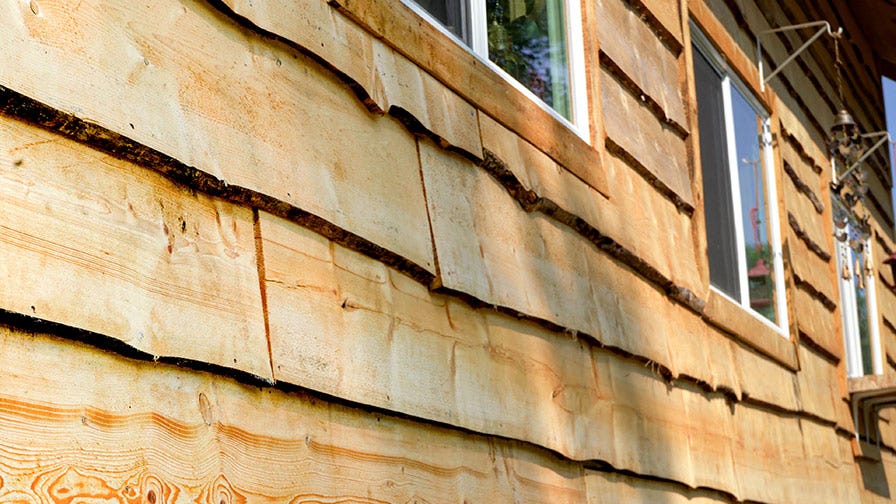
(636, 209)
(111, 429)
(632, 45)
(659, 149)
(190, 83)
(100, 244)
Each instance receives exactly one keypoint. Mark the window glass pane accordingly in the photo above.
(858, 265)
(527, 39)
(719, 212)
(754, 205)
(450, 13)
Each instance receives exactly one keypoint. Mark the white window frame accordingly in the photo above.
(849, 311)
(575, 50)
(729, 79)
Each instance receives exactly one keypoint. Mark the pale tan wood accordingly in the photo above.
(400, 83)
(637, 217)
(810, 221)
(811, 268)
(668, 14)
(465, 74)
(750, 331)
(633, 46)
(765, 380)
(818, 322)
(817, 384)
(185, 80)
(806, 141)
(99, 244)
(489, 248)
(114, 429)
(346, 325)
(635, 129)
(319, 29)
(614, 488)
(386, 342)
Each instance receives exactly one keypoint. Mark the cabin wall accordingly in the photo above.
(317, 251)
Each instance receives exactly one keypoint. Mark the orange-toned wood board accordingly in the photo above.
(110, 429)
(634, 47)
(102, 245)
(655, 146)
(255, 113)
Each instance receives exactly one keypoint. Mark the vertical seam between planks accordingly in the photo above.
(262, 287)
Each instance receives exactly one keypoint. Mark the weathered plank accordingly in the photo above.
(636, 210)
(402, 84)
(489, 248)
(102, 245)
(817, 384)
(668, 13)
(634, 47)
(749, 330)
(817, 322)
(810, 220)
(765, 380)
(614, 488)
(629, 124)
(236, 105)
(808, 265)
(346, 325)
(112, 429)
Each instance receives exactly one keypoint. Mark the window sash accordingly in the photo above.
(476, 41)
(727, 208)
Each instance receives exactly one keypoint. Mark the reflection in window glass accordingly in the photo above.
(450, 13)
(527, 39)
(858, 265)
(754, 207)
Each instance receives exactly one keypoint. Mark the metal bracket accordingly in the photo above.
(885, 139)
(826, 27)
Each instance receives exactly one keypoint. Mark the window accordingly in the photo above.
(857, 295)
(537, 43)
(743, 241)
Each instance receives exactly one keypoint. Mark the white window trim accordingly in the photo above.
(726, 72)
(849, 309)
(575, 47)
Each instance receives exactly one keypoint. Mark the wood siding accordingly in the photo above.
(309, 251)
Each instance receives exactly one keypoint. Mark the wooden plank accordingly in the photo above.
(105, 428)
(817, 322)
(629, 124)
(635, 211)
(668, 13)
(346, 325)
(99, 244)
(615, 488)
(489, 248)
(765, 380)
(810, 221)
(749, 330)
(808, 266)
(634, 47)
(817, 384)
(230, 99)
(456, 66)
(402, 84)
